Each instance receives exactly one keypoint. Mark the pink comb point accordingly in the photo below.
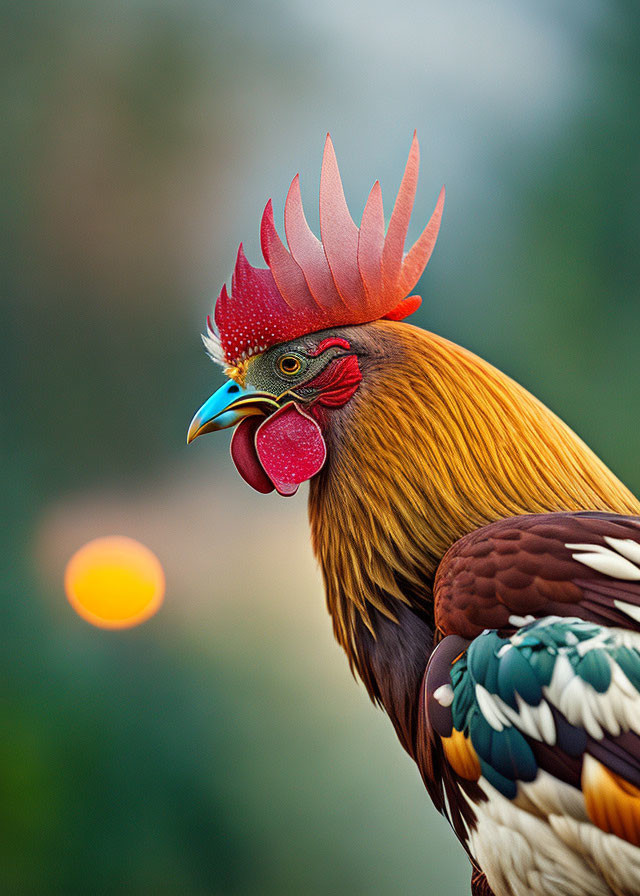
(353, 276)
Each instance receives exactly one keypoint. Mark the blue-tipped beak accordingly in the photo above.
(228, 406)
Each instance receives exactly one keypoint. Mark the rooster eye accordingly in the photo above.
(289, 365)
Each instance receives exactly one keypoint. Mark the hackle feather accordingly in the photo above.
(435, 444)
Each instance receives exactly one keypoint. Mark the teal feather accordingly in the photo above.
(629, 662)
(481, 655)
(506, 787)
(524, 668)
(515, 674)
(595, 670)
(542, 663)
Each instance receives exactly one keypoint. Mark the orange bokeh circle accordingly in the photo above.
(114, 582)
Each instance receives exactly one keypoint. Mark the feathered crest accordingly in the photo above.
(352, 276)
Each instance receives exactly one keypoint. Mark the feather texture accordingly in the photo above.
(562, 564)
(564, 684)
(435, 444)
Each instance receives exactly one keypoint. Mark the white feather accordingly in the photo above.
(608, 562)
(522, 855)
(520, 621)
(625, 546)
(213, 348)
(444, 695)
(612, 565)
(629, 609)
(490, 709)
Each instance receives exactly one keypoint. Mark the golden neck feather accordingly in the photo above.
(435, 443)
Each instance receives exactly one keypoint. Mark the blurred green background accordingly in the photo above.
(223, 747)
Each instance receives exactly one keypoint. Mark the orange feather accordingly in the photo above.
(611, 802)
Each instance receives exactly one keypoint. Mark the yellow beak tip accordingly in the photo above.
(193, 431)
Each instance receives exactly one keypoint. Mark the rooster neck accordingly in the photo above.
(392, 665)
(434, 444)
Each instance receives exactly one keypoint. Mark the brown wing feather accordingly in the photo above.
(523, 566)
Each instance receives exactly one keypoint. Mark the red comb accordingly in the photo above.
(351, 276)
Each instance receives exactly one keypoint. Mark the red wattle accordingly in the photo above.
(290, 447)
(245, 456)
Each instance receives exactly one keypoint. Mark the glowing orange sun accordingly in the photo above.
(114, 582)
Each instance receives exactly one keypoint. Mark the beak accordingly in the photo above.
(228, 406)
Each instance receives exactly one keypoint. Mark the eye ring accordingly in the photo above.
(289, 365)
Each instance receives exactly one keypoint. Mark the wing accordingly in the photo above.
(533, 741)
(526, 567)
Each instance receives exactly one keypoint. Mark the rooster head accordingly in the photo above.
(291, 337)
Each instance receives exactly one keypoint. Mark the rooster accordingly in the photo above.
(481, 564)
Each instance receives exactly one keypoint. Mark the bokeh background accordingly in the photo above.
(223, 747)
